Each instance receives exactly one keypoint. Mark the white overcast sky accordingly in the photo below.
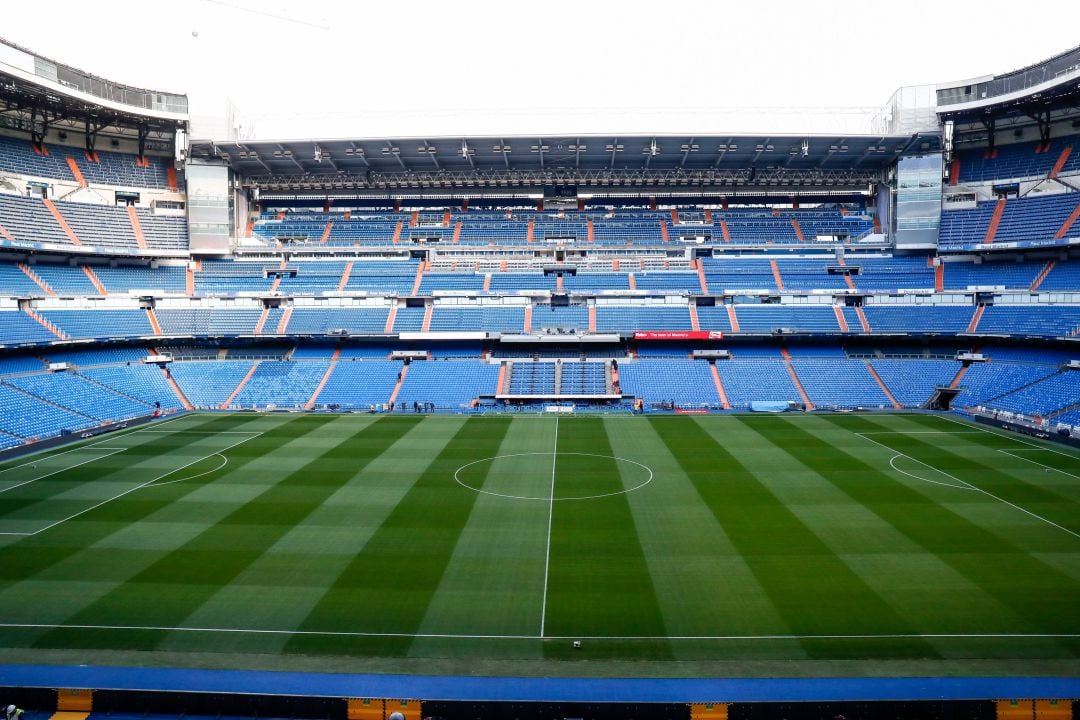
(419, 68)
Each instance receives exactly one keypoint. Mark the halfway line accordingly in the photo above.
(551, 512)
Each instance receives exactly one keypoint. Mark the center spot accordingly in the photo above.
(577, 476)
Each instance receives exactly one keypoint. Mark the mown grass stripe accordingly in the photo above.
(28, 556)
(707, 588)
(599, 582)
(1033, 590)
(811, 588)
(390, 584)
(168, 590)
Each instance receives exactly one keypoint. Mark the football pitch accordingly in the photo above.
(666, 545)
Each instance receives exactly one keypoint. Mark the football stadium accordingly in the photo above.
(747, 425)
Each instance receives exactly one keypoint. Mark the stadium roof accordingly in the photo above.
(850, 160)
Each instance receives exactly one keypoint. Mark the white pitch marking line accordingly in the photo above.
(1013, 437)
(462, 483)
(1036, 462)
(551, 513)
(977, 489)
(64, 469)
(224, 462)
(131, 490)
(455, 636)
(892, 464)
(921, 432)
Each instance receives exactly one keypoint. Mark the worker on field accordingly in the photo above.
(12, 713)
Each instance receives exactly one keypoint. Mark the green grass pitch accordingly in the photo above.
(729, 545)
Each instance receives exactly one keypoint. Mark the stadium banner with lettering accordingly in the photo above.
(678, 335)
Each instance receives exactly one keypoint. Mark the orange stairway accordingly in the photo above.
(694, 324)
(94, 280)
(732, 319)
(390, 317)
(283, 325)
(720, 387)
(262, 320)
(995, 221)
(881, 383)
(326, 377)
(176, 390)
(529, 232)
(798, 230)
(840, 319)
(429, 310)
(55, 212)
(795, 379)
(776, 275)
(1067, 225)
(326, 232)
(939, 277)
(457, 231)
(663, 230)
(1042, 275)
(76, 172)
(345, 273)
(724, 230)
(862, 319)
(239, 387)
(151, 316)
(528, 319)
(1062, 159)
(701, 277)
(959, 376)
(592, 318)
(973, 326)
(170, 176)
(419, 278)
(28, 271)
(46, 324)
(589, 230)
(136, 227)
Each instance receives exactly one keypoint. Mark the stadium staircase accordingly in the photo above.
(345, 273)
(1060, 164)
(283, 326)
(46, 324)
(397, 385)
(171, 382)
(701, 277)
(1043, 273)
(325, 379)
(795, 378)
(326, 232)
(694, 324)
(733, 320)
(973, 326)
(59, 218)
(390, 318)
(776, 275)
(37, 279)
(862, 319)
(151, 317)
(840, 319)
(94, 280)
(136, 227)
(720, 391)
(419, 278)
(1069, 221)
(884, 388)
(959, 376)
(261, 323)
(251, 371)
(995, 221)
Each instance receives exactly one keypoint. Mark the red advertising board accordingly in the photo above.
(678, 335)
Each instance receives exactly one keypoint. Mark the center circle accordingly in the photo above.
(516, 477)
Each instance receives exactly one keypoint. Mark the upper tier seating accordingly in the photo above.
(30, 223)
(1016, 161)
(1029, 221)
(111, 168)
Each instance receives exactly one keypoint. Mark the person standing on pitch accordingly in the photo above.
(12, 713)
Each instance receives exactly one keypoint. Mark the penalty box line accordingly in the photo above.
(137, 487)
(964, 483)
(493, 636)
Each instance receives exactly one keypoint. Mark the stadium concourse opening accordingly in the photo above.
(744, 426)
